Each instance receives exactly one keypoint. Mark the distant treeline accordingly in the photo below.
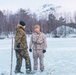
(8, 21)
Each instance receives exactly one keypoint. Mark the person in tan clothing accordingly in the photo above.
(38, 45)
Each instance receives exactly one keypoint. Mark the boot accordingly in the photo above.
(28, 71)
(16, 72)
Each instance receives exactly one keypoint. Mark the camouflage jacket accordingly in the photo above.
(38, 41)
(20, 37)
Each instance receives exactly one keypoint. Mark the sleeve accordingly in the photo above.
(31, 43)
(26, 41)
(45, 42)
(19, 36)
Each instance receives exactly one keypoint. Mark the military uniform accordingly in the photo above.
(21, 52)
(38, 44)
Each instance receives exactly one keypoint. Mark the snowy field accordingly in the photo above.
(60, 58)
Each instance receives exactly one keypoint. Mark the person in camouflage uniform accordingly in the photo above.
(21, 48)
(38, 44)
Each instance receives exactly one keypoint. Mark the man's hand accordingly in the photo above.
(44, 51)
(30, 50)
(18, 45)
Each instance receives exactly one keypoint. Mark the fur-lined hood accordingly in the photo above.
(19, 27)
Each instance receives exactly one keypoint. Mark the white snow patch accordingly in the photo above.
(60, 58)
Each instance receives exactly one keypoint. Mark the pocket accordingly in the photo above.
(40, 40)
(39, 47)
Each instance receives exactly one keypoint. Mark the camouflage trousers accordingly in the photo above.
(38, 54)
(20, 55)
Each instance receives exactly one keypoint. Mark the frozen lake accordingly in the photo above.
(60, 58)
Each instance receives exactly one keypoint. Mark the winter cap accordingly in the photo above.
(22, 23)
(36, 26)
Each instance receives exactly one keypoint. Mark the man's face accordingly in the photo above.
(37, 30)
(24, 27)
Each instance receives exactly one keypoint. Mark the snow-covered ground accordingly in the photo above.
(60, 58)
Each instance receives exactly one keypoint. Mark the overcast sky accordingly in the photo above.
(14, 5)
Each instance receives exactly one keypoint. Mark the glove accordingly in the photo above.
(30, 50)
(18, 45)
(44, 51)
